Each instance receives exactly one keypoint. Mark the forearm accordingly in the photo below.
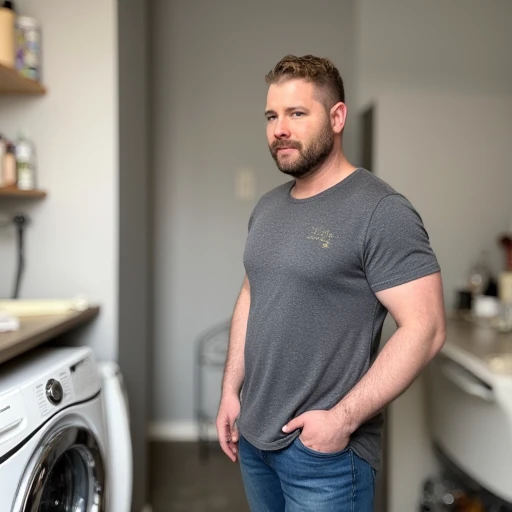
(234, 370)
(400, 361)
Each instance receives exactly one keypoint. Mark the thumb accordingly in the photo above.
(234, 432)
(294, 424)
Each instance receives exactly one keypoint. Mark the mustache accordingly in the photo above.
(280, 144)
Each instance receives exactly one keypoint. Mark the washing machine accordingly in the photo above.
(53, 436)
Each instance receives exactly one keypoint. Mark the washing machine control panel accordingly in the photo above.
(73, 382)
(54, 391)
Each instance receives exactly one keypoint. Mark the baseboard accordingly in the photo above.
(178, 431)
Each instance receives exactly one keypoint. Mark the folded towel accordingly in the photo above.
(8, 322)
(43, 307)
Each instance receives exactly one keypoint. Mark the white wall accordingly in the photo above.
(71, 244)
(209, 93)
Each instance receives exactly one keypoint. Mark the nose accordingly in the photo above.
(281, 129)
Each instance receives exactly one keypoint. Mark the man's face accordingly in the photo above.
(299, 132)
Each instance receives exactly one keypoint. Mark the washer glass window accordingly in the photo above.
(67, 474)
(67, 486)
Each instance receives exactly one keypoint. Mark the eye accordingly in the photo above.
(298, 114)
(270, 118)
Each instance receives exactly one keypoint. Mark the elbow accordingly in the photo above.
(437, 341)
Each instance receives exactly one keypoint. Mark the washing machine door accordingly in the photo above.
(66, 474)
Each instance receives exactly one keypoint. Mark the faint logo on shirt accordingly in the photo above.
(322, 235)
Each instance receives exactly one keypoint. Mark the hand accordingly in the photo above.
(229, 410)
(321, 431)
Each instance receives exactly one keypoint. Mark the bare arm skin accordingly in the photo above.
(234, 372)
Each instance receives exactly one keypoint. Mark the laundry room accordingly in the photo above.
(132, 157)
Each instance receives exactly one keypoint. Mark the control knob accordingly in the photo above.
(54, 392)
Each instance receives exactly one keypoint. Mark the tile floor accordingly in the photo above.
(181, 482)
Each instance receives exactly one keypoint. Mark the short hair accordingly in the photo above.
(318, 71)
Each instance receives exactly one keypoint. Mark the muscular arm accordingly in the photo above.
(418, 310)
(234, 369)
(234, 374)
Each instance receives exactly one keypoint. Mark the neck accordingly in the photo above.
(335, 169)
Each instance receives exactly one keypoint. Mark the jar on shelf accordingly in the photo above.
(28, 47)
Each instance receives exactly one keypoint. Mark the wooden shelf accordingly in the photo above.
(38, 329)
(12, 82)
(16, 192)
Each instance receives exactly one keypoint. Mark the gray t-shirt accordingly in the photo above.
(314, 323)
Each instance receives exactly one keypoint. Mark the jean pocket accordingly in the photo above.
(316, 453)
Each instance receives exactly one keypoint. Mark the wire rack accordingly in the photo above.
(211, 351)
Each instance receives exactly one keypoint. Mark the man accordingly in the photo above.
(327, 256)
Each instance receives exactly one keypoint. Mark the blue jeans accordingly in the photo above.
(299, 479)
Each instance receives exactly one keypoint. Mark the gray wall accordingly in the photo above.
(208, 97)
(134, 228)
(460, 45)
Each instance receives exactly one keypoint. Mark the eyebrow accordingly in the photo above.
(288, 110)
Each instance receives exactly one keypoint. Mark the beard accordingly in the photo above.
(309, 158)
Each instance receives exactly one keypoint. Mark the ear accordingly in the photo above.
(338, 115)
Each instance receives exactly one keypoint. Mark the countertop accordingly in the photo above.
(479, 341)
(478, 347)
(35, 330)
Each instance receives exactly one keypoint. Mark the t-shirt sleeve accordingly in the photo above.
(251, 218)
(256, 210)
(397, 248)
(254, 214)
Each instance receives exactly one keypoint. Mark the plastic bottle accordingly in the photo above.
(25, 162)
(479, 275)
(3, 147)
(7, 43)
(505, 278)
(9, 167)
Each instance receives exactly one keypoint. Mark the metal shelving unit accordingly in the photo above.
(211, 351)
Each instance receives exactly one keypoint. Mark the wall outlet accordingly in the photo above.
(5, 220)
(245, 184)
